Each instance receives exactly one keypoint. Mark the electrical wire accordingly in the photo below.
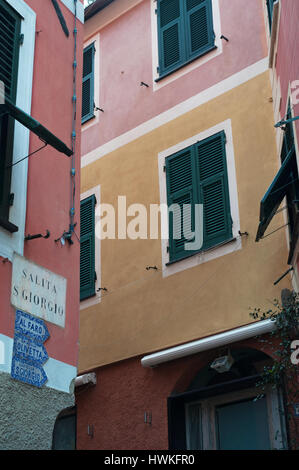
(27, 156)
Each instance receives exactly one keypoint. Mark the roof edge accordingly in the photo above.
(95, 7)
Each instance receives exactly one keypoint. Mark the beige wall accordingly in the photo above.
(144, 311)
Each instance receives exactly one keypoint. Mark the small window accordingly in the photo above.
(87, 248)
(198, 175)
(185, 32)
(10, 26)
(88, 83)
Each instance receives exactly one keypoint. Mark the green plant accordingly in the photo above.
(282, 373)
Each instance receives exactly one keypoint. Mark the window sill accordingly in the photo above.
(180, 66)
(87, 119)
(8, 225)
(219, 245)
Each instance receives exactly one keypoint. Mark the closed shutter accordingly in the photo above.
(10, 23)
(88, 83)
(198, 175)
(87, 247)
(181, 194)
(171, 34)
(185, 31)
(214, 193)
(199, 27)
(10, 27)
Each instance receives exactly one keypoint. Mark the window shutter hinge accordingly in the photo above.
(164, 168)
(95, 276)
(21, 39)
(158, 69)
(167, 249)
(11, 199)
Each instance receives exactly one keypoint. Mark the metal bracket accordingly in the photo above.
(39, 235)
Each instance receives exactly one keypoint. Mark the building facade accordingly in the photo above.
(39, 215)
(284, 68)
(177, 113)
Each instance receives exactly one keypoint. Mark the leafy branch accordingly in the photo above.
(282, 373)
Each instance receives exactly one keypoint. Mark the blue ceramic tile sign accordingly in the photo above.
(29, 353)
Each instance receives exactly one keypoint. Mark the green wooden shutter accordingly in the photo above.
(181, 190)
(88, 83)
(10, 27)
(87, 247)
(213, 189)
(270, 5)
(185, 31)
(10, 24)
(170, 34)
(199, 27)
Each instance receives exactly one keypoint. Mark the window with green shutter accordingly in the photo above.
(10, 27)
(87, 247)
(198, 175)
(88, 83)
(185, 32)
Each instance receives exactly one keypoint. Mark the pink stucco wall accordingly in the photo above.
(126, 60)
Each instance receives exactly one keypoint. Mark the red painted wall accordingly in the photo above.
(49, 181)
(115, 407)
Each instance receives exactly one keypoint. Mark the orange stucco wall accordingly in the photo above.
(142, 311)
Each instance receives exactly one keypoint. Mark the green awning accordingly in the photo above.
(35, 127)
(275, 194)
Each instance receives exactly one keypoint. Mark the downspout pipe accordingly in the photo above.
(215, 341)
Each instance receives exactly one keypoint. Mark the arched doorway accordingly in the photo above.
(221, 410)
(64, 433)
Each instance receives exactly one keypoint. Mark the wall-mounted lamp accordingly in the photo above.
(66, 236)
(223, 363)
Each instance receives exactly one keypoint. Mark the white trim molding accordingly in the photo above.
(210, 342)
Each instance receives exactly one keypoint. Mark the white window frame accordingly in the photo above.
(216, 252)
(14, 242)
(208, 416)
(96, 299)
(194, 64)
